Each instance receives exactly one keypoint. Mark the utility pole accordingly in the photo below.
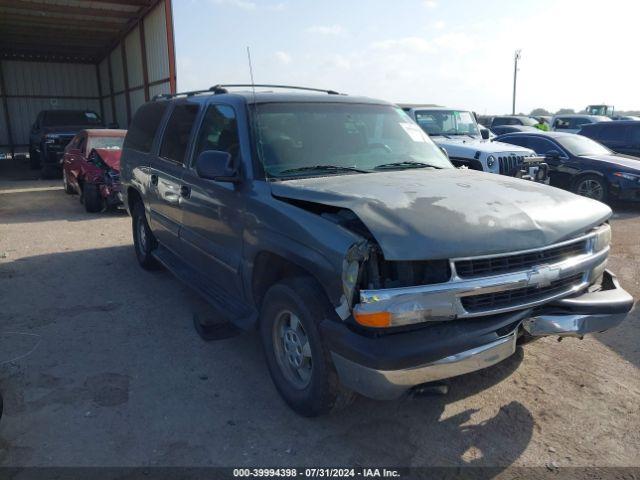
(516, 57)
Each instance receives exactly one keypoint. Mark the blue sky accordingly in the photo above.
(457, 53)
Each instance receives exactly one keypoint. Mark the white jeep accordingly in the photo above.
(458, 133)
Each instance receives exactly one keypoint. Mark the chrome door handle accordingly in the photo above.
(171, 198)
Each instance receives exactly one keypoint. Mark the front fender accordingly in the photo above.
(306, 239)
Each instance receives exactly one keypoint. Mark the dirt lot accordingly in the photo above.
(119, 377)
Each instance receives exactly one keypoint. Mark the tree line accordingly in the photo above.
(536, 112)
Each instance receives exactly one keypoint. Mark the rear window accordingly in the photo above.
(144, 125)
(54, 118)
(111, 143)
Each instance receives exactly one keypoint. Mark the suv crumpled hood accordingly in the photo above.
(464, 146)
(434, 214)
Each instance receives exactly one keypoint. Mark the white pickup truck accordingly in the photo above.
(457, 132)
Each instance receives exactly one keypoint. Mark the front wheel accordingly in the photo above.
(144, 242)
(298, 361)
(91, 198)
(34, 159)
(592, 186)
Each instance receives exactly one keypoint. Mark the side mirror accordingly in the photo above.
(217, 165)
(484, 133)
(553, 155)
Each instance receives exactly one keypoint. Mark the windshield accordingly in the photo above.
(528, 121)
(447, 122)
(305, 139)
(111, 143)
(582, 146)
(599, 110)
(70, 117)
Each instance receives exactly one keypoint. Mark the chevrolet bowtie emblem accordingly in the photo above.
(542, 276)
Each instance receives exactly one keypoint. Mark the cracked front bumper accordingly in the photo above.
(386, 366)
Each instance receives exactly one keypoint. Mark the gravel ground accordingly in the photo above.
(116, 376)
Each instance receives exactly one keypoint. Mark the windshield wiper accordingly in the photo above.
(325, 168)
(406, 164)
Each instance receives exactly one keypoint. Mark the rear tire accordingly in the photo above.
(298, 360)
(144, 241)
(91, 198)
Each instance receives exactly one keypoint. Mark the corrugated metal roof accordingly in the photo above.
(66, 30)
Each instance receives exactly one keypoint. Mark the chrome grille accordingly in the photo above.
(519, 296)
(482, 267)
(509, 163)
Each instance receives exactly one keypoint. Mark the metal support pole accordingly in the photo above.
(516, 57)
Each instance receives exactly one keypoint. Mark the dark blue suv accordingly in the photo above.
(339, 230)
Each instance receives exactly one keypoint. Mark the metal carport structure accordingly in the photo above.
(108, 55)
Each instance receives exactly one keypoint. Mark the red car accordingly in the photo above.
(91, 168)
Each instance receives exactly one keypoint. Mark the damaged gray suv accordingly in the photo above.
(339, 230)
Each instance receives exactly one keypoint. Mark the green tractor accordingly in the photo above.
(604, 110)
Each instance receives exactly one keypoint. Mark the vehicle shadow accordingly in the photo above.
(139, 331)
(32, 203)
(396, 433)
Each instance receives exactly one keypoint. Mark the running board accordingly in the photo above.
(238, 313)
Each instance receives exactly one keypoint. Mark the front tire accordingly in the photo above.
(91, 198)
(592, 186)
(34, 159)
(144, 242)
(298, 360)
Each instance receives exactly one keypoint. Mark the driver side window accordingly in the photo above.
(219, 131)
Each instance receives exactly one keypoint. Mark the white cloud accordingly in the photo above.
(327, 29)
(405, 45)
(249, 5)
(276, 7)
(439, 25)
(283, 57)
(430, 3)
(242, 4)
(458, 41)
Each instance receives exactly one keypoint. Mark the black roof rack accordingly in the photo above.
(164, 96)
(223, 88)
(220, 89)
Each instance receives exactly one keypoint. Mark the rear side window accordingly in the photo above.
(514, 140)
(541, 145)
(144, 125)
(177, 132)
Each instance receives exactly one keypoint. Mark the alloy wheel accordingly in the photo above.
(292, 349)
(591, 188)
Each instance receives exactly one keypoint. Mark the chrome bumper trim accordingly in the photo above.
(442, 301)
(391, 384)
(571, 325)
